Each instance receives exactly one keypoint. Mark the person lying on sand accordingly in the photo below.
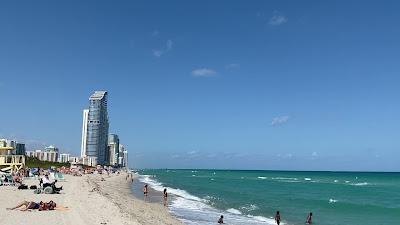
(41, 206)
(25, 205)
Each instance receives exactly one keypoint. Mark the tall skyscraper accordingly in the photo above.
(125, 161)
(121, 155)
(97, 128)
(84, 132)
(113, 147)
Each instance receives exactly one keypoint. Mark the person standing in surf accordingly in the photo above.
(309, 218)
(145, 192)
(277, 218)
(165, 197)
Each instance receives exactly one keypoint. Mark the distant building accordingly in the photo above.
(113, 147)
(11, 147)
(63, 158)
(84, 132)
(49, 154)
(89, 161)
(76, 160)
(121, 155)
(51, 148)
(3, 143)
(20, 149)
(125, 161)
(96, 137)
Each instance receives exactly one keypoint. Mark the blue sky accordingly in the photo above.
(297, 85)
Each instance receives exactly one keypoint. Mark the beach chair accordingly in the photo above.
(10, 181)
(60, 177)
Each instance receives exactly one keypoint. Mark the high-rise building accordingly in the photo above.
(121, 155)
(113, 147)
(125, 161)
(84, 132)
(20, 149)
(97, 128)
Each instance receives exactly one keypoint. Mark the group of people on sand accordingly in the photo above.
(129, 177)
(146, 194)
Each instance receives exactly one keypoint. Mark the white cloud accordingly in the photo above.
(211, 155)
(175, 156)
(277, 19)
(233, 66)
(285, 156)
(280, 120)
(204, 72)
(159, 52)
(169, 45)
(192, 152)
(155, 33)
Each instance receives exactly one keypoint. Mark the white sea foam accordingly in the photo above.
(360, 184)
(193, 210)
(308, 179)
(262, 178)
(264, 220)
(159, 187)
(335, 181)
(234, 211)
(249, 207)
(332, 200)
(284, 178)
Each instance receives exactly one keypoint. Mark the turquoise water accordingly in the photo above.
(253, 197)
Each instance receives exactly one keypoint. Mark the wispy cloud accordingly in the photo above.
(175, 156)
(232, 66)
(314, 155)
(155, 33)
(204, 72)
(168, 47)
(280, 120)
(192, 152)
(285, 156)
(277, 19)
(158, 53)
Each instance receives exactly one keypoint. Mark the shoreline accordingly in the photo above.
(90, 199)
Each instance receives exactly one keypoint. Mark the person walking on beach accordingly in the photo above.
(221, 220)
(165, 197)
(145, 192)
(309, 218)
(277, 218)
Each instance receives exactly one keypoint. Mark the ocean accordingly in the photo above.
(253, 197)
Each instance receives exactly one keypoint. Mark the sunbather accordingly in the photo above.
(25, 205)
(41, 206)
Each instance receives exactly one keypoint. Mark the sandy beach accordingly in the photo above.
(89, 200)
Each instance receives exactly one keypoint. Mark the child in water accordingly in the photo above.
(221, 220)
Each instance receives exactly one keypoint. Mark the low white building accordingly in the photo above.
(63, 158)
